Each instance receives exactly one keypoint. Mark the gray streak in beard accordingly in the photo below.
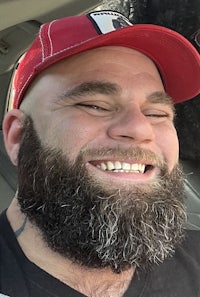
(142, 235)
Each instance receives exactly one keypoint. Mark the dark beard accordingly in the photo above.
(91, 224)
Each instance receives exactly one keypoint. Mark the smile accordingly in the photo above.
(124, 167)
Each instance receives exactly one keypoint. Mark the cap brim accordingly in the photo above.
(176, 58)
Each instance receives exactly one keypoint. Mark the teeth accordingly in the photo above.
(126, 166)
(103, 166)
(118, 166)
(135, 167)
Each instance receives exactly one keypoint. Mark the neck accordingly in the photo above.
(88, 281)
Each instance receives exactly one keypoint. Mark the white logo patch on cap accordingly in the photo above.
(107, 21)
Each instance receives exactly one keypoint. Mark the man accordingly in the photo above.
(99, 209)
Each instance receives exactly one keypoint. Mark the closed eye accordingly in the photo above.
(92, 106)
(159, 112)
(157, 115)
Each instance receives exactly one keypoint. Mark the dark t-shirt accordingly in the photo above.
(178, 276)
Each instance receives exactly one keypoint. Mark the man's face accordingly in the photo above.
(106, 98)
(104, 169)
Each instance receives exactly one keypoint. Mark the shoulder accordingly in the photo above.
(191, 243)
(187, 255)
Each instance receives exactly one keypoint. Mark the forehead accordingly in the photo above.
(104, 64)
(114, 54)
(105, 61)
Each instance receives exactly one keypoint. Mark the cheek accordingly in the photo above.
(71, 135)
(169, 146)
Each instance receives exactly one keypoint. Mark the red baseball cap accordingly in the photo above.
(176, 59)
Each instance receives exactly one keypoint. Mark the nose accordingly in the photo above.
(131, 125)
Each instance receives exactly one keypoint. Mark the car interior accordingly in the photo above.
(19, 23)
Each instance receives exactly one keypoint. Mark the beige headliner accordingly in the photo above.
(17, 11)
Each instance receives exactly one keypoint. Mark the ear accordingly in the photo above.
(12, 126)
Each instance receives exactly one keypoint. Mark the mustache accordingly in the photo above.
(134, 154)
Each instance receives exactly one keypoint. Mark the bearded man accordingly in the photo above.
(99, 209)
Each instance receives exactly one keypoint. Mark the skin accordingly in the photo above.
(132, 114)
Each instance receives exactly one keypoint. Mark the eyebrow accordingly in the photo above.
(108, 88)
(91, 88)
(161, 97)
